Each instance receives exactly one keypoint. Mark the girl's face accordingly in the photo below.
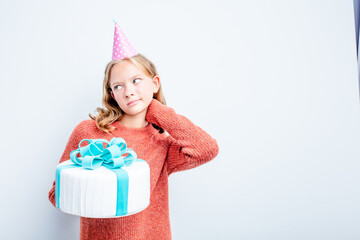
(131, 88)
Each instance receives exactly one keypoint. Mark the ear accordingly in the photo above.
(156, 82)
(112, 94)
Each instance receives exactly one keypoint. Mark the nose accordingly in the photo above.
(129, 90)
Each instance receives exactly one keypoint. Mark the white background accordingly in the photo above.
(274, 82)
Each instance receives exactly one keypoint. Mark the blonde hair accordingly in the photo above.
(111, 111)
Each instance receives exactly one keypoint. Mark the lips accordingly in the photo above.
(132, 102)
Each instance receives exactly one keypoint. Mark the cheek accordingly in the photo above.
(118, 99)
(147, 93)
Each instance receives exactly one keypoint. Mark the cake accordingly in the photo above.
(103, 182)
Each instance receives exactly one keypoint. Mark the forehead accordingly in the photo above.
(124, 71)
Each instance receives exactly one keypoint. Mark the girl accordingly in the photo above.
(135, 110)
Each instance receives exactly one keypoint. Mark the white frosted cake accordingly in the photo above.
(102, 192)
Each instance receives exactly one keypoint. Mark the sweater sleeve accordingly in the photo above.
(72, 144)
(190, 146)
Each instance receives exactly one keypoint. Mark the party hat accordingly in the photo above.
(122, 47)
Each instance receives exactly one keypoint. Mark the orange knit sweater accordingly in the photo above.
(184, 147)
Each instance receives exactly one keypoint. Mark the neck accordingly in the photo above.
(133, 121)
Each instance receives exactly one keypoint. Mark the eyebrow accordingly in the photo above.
(130, 78)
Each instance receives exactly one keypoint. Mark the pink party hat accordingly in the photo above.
(122, 47)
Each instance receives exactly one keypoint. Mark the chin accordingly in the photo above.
(133, 112)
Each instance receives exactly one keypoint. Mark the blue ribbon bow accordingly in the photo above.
(94, 155)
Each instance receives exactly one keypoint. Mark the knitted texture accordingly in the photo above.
(183, 147)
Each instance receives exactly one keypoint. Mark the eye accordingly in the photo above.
(117, 86)
(137, 79)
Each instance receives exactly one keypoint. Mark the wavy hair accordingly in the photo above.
(111, 112)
